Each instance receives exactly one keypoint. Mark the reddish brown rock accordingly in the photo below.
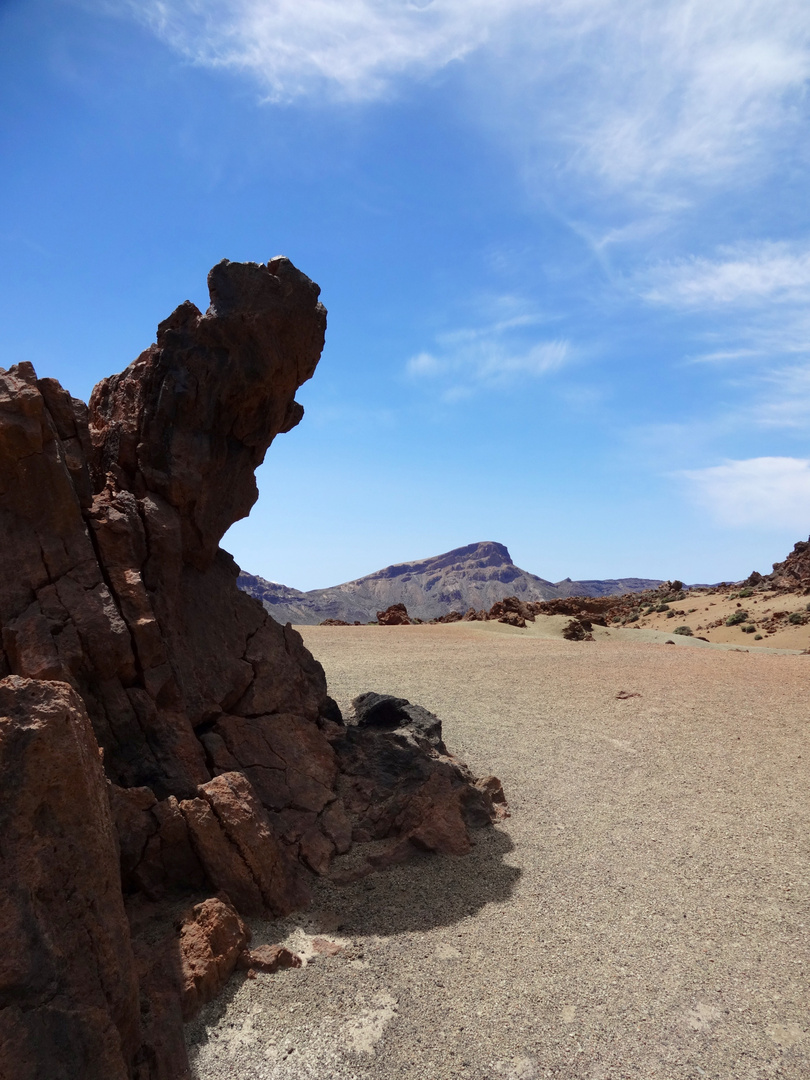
(325, 947)
(233, 840)
(228, 766)
(513, 611)
(268, 958)
(793, 573)
(68, 991)
(212, 936)
(395, 615)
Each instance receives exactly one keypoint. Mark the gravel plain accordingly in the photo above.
(644, 912)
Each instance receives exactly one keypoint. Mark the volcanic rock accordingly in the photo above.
(125, 641)
(398, 779)
(268, 958)
(395, 615)
(793, 573)
(578, 630)
(212, 938)
(68, 990)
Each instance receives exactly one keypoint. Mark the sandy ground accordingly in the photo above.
(644, 912)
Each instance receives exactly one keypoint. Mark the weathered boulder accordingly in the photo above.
(398, 780)
(395, 615)
(578, 630)
(513, 611)
(233, 839)
(268, 958)
(212, 937)
(68, 990)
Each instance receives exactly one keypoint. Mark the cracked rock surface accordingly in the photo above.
(227, 768)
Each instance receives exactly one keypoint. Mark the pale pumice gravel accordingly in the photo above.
(643, 914)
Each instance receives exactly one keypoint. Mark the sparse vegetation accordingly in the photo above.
(684, 631)
(737, 617)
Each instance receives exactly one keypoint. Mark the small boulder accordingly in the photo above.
(395, 615)
(212, 937)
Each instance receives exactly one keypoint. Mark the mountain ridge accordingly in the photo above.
(475, 575)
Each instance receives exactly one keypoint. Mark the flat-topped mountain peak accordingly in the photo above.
(476, 575)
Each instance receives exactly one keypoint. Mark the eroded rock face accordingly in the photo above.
(226, 766)
(68, 990)
(793, 573)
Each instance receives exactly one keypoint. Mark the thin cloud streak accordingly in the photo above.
(765, 273)
(467, 361)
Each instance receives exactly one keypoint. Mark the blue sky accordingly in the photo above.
(565, 249)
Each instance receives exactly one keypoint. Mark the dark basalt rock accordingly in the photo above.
(227, 766)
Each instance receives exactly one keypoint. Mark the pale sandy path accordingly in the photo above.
(643, 914)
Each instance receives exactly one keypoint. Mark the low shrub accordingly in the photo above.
(796, 617)
(745, 592)
(749, 629)
(685, 631)
(757, 637)
(665, 607)
(737, 617)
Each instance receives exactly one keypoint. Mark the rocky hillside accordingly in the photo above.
(476, 576)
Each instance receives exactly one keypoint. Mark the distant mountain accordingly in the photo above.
(474, 576)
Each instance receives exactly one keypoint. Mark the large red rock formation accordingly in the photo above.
(226, 761)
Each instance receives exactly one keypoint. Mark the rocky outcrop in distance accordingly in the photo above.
(163, 741)
(476, 576)
(793, 573)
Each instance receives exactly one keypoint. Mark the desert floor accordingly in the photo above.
(643, 913)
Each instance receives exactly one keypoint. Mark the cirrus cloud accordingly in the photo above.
(640, 94)
(748, 274)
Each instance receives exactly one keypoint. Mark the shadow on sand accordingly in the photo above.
(425, 892)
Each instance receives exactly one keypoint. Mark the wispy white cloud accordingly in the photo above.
(642, 94)
(751, 274)
(352, 48)
(496, 356)
(764, 492)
